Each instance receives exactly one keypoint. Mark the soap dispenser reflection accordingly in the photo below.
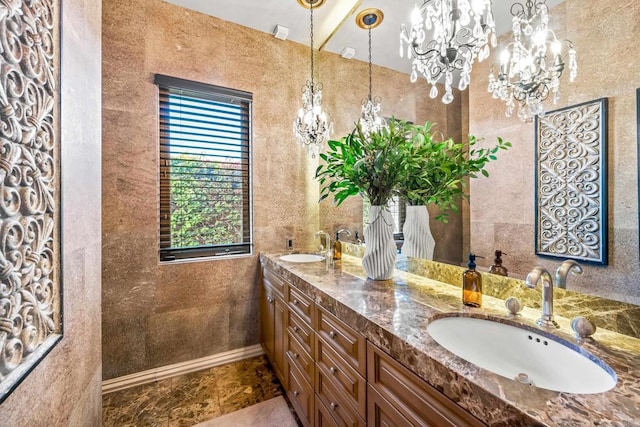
(472, 284)
(337, 246)
(497, 267)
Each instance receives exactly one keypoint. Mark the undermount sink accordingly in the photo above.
(543, 361)
(302, 258)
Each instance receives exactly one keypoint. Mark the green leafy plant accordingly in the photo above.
(370, 166)
(404, 160)
(437, 171)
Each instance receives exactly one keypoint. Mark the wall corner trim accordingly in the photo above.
(164, 372)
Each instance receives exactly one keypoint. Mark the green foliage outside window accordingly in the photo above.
(206, 202)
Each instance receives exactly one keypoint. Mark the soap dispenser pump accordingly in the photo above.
(472, 284)
(497, 267)
(337, 246)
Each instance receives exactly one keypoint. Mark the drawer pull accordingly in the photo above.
(333, 334)
(333, 370)
(295, 394)
(295, 302)
(334, 406)
(296, 329)
(270, 300)
(294, 355)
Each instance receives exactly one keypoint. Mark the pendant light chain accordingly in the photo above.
(311, 7)
(370, 73)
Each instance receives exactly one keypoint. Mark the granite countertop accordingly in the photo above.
(394, 316)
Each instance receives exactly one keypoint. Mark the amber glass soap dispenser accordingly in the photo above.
(472, 284)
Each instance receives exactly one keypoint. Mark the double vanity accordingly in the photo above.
(351, 351)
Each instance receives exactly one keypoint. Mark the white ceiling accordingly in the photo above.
(264, 15)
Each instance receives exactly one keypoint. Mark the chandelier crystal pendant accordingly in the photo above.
(312, 126)
(532, 64)
(370, 121)
(447, 36)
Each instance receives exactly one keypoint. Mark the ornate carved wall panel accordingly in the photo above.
(571, 183)
(30, 290)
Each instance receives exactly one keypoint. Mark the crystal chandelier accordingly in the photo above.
(462, 30)
(312, 126)
(370, 120)
(531, 65)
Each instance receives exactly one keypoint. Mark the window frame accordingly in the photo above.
(215, 93)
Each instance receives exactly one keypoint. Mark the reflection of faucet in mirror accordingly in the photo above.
(542, 274)
(326, 245)
(563, 271)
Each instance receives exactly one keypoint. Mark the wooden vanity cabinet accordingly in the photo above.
(272, 320)
(398, 397)
(334, 377)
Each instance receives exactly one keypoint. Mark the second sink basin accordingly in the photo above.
(544, 361)
(302, 258)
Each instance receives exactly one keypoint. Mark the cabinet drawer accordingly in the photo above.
(300, 330)
(300, 395)
(301, 304)
(382, 413)
(274, 280)
(345, 341)
(299, 357)
(336, 402)
(323, 415)
(345, 378)
(416, 400)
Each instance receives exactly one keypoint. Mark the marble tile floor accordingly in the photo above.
(187, 400)
(272, 413)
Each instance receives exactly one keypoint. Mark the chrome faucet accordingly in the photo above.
(563, 271)
(542, 274)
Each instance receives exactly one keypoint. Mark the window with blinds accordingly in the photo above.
(205, 170)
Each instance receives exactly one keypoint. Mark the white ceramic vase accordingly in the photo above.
(418, 241)
(380, 249)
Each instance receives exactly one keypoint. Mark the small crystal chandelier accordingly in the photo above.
(462, 31)
(528, 74)
(370, 120)
(312, 127)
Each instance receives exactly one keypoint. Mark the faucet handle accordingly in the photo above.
(583, 327)
(513, 305)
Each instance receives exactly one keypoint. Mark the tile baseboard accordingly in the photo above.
(164, 372)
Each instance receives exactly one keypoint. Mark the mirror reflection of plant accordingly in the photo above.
(370, 166)
(436, 171)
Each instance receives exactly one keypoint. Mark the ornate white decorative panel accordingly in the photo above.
(571, 183)
(30, 292)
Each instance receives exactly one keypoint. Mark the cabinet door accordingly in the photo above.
(267, 321)
(279, 331)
